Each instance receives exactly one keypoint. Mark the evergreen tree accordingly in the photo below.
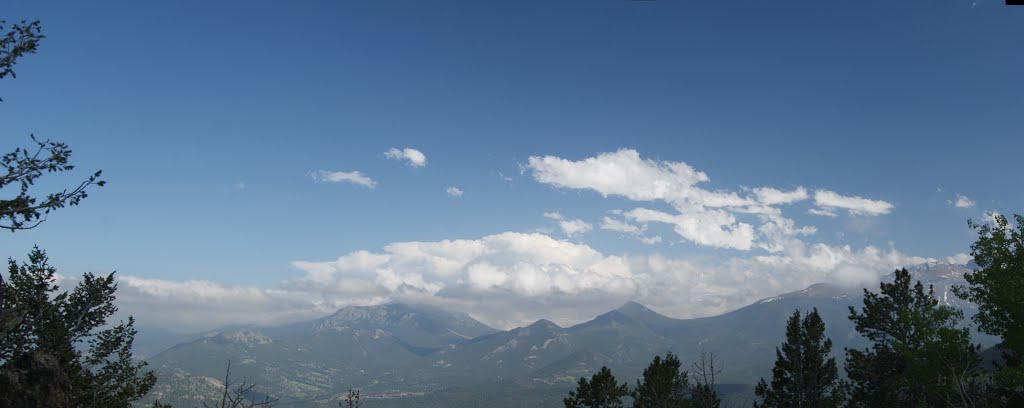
(663, 385)
(804, 375)
(997, 287)
(602, 391)
(919, 356)
(65, 328)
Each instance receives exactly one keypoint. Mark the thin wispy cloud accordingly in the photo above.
(628, 229)
(822, 212)
(354, 177)
(415, 158)
(855, 205)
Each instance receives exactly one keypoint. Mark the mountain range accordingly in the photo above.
(400, 355)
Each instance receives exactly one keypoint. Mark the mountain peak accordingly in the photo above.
(545, 323)
(633, 307)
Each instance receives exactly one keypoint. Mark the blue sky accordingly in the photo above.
(209, 121)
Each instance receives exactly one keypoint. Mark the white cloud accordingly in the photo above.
(506, 280)
(855, 205)
(415, 157)
(960, 259)
(771, 196)
(240, 186)
(961, 201)
(454, 191)
(702, 216)
(195, 305)
(355, 177)
(611, 224)
(635, 231)
(569, 227)
(574, 227)
(714, 228)
(626, 174)
(822, 212)
(651, 240)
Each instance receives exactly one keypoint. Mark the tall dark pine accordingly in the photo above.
(602, 391)
(919, 356)
(804, 375)
(663, 385)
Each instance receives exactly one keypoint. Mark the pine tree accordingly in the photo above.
(602, 391)
(663, 385)
(67, 329)
(996, 288)
(919, 356)
(804, 375)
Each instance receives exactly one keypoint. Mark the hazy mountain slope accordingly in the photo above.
(405, 350)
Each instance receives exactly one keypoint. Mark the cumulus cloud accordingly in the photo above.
(702, 216)
(855, 205)
(961, 201)
(454, 191)
(354, 177)
(626, 174)
(714, 228)
(415, 157)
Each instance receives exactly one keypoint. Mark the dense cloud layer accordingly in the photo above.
(509, 279)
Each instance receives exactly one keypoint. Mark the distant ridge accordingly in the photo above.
(405, 349)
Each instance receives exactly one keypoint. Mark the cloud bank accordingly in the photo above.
(506, 280)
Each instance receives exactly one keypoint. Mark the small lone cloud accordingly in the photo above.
(415, 157)
(240, 186)
(503, 177)
(961, 201)
(354, 177)
(454, 191)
